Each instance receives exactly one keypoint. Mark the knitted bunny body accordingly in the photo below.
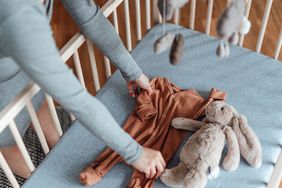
(200, 156)
(204, 150)
(206, 144)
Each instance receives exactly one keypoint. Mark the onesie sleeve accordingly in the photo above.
(144, 107)
(25, 36)
(95, 26)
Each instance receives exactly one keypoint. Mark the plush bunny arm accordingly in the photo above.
(187, 124)
(232, 159)
(249, 144)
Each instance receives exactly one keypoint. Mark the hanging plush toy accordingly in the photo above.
(230, 25)
(163, 43)
(200, 156)
(168, 39)
(177, 48)
(167, 7)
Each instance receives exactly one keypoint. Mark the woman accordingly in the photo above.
(26, 43)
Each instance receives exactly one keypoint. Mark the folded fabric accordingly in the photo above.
(149, 125)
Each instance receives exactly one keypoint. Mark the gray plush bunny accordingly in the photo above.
(200, 156)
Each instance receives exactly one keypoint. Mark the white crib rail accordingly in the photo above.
(209, 16)
(264, 24)
(192, 14)
(71, 50)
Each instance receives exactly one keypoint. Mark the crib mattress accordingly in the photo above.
(252, 81)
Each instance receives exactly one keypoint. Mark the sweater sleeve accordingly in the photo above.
(99, 30)
(25, 36)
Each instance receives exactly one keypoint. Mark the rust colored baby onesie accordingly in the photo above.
(150, 126)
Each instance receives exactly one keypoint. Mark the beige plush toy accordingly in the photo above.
(200, 156)
(230, 25)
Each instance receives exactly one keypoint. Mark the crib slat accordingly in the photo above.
(78, 69)
(54, 114)
(14, 130)
(148, 14)
(263, 25)
(176, 16)
(277, 174)
(247, 12)
(192, 14)
(93, 65)
(156, 13)
(278, 45)
(37, 127)
(138, 19)
(115, 20)
(209, 16)
(127, 25)
(107, 67)
(8, 172)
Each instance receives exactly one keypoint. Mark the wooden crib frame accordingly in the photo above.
(23, 100)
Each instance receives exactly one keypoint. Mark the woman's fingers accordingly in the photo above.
(153, 172)
(144, 82)
(151, 163)
(162, 161)
(160, 169)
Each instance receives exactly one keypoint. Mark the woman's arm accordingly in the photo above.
(26, 37)
(100, 31)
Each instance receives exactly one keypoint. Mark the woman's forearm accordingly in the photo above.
(100, 31)
(26, 37)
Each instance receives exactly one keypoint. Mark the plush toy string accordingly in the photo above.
(164, 29)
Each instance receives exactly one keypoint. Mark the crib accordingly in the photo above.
(70, 50)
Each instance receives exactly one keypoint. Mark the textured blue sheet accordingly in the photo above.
(254, 86)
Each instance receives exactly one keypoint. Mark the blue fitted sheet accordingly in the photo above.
(254, 86)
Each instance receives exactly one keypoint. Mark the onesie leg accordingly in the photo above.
(174, 177)
(94, 172)
(90, 176)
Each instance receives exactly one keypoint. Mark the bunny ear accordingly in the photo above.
(236, 114)
(250, 147)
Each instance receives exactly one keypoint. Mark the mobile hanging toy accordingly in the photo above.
(168, 39)
(230, 25)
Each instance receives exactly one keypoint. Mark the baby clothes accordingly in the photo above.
(150, 126)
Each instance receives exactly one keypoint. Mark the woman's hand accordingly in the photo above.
(143, 82)
(151, 163)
